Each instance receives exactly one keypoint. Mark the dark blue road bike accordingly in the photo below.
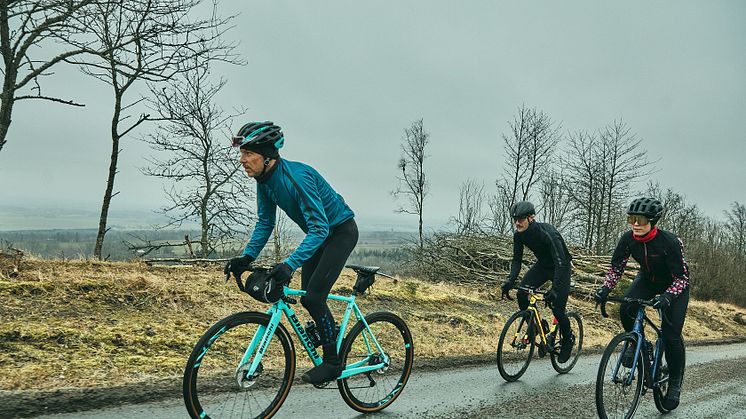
(630, 366)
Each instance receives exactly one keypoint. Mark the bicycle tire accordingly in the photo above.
(391, 332)
(217, 355)
(601, 379)
(526, 320)
(576, 325)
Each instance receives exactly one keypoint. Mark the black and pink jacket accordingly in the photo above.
(661, 257)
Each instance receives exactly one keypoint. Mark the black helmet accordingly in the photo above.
(649, 207)
(522, 209)
(264, 138)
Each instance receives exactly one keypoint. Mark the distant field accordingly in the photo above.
(374, 247)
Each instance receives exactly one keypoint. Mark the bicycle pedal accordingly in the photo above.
(322, 385)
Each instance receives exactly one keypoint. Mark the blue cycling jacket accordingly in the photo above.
(300, 191)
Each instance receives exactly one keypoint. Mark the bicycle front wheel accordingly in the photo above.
(217, 385)
(618, 387)
(373, 391)
(516, 346)
(576, 326)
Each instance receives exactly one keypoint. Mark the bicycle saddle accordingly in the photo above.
(369, 270)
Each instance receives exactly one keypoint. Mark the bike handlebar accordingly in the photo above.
(640, 301)
(528, 290)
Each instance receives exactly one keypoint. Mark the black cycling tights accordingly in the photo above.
(320, 272)
(672, 324)
(538, 275)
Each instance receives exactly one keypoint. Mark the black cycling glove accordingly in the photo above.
(237, 266)
(282, 273)
(663, 301)
(507, 286)
(550, 297)
(602, 294)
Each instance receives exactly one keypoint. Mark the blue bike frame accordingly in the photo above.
(638, 330)
(255, 351)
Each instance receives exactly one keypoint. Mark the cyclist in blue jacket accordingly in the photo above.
(331, 233)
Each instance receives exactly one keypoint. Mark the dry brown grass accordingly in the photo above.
(84, 323)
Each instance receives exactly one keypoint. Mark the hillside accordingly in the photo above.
(89, 324)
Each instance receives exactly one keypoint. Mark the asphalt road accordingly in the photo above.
(714, 386)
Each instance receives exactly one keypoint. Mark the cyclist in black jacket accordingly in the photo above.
(664, 275)
(553, 261)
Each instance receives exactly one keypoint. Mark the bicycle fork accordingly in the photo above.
(246, 373)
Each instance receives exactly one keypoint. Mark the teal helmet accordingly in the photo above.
(264, 138)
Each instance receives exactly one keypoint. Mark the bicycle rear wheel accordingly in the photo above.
(516, 346)
(375, 390)
(660, 389)
(618, 395)
(659, 392)
(576, 326)
(216, 385)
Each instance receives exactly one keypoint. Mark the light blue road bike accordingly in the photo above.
(244, 365)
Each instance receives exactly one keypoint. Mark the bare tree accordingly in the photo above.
(625, 163)
(556, 207)
(499, 221)
(412, 181)
(529, 148)
(145, 41)
(736, 227)
(211, 189)
(528, 151)
(601, 169)
(683, 219)
(36, 36)
(470, 210)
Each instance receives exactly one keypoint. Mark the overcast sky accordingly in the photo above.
(345, 78)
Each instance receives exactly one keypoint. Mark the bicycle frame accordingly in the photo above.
(536, 316)
(639, 331)
(255, 351)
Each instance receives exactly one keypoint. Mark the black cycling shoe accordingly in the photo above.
(671, 401)
(566, 348)
(328, 370)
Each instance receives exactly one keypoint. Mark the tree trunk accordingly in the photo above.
(6, 106)
(102, 230)
(421, 239)
(107, 198)
(204, 240)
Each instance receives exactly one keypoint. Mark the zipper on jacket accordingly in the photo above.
(647, 263)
